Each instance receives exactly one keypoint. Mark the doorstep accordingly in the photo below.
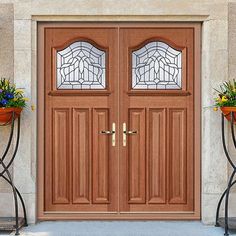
(122, 228)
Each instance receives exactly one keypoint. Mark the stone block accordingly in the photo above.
(22, 69)
(209, 204)
(214, 72)
(22, 34)
(214, 164)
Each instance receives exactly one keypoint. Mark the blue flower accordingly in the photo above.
(3, 102)
(1, 90)
(9, 95)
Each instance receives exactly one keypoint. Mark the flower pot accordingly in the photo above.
(227, 112)
(7, 113)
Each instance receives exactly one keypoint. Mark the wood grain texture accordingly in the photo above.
(61, 155)
(137, 158)
(100, 156)
(81, 163)
(177, 156)
(157, 155)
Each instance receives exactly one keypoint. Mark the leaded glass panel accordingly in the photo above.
(81, 66)
(156, 66)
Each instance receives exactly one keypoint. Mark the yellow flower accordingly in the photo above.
(224, 99)
(14, 99)
(33, 107)
(19, 91)
(26, 99)
(215, 108)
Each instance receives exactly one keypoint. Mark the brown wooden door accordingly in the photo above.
(119, 121)
(156, 102)
(81, 101)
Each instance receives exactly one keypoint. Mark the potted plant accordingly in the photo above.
(226, 99)
(12, 100)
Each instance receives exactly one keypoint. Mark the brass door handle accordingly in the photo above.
(127, 132)
(107, 132)
(112, 133)
(130, 132)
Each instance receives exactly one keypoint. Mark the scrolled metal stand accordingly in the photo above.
(226, 221)
(5, 174)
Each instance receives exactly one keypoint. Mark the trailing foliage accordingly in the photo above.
(10, 96)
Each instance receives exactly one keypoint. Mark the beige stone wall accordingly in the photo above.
(7, 71)
(232, 40)
(212, 13)
(232, 75)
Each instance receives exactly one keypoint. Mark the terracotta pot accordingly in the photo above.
(6, 114)
(227, 112)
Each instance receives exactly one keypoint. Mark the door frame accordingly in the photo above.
(193, 215)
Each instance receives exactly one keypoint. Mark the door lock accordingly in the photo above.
(112, 133)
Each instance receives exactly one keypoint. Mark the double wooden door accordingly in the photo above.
(119, 122)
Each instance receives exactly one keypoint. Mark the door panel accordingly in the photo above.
(100, 156)
(157, 155)
(61, 154)
(81, 162)
(136, 159)
(177, 156)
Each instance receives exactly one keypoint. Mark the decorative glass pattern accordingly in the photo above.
(156, 66)
(81, 66)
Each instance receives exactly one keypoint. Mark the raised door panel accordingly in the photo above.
(137, 157)
(177, 156)
(81, 156)
(100, 156)
(157, 156)
(61, 155)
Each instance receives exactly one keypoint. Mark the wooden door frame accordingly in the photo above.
(193, 215)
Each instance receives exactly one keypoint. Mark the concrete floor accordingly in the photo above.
(122, 228)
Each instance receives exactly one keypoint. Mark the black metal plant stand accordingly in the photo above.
(226, 221)
(12, 223)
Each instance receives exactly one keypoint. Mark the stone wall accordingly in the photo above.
(7, 71)
(214, 17)
(232, 75)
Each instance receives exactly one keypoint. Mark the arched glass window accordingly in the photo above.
(81, 66)
(156, 66)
